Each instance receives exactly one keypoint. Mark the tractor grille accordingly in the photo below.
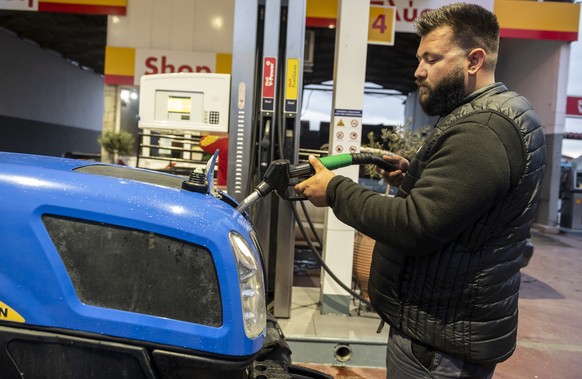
(132, 270)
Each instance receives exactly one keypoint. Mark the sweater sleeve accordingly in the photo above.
(464, 177)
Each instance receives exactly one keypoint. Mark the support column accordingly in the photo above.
(544, 83)
(345, 137)
(242, 98)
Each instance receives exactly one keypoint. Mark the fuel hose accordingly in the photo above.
(332, 162)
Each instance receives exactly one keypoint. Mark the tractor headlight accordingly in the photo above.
(252, 291)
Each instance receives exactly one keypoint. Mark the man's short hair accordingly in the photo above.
(473, 27)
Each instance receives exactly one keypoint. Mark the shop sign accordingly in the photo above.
(408, 10)
(323, 13)
(148, 62)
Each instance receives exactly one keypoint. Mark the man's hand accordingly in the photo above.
(314, 188)
(394, 178)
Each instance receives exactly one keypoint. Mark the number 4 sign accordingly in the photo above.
(381, 25)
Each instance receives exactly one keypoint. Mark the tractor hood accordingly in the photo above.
(126, 253)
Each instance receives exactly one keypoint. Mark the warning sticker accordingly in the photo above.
(9, 314)
(347, 130)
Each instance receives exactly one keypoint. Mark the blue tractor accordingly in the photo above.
(114, 272)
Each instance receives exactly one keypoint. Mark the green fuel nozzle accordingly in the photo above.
(333, 162)
(280, 172)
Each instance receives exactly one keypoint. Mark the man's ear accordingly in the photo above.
(476, 60)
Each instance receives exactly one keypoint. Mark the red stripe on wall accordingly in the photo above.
(539, 34)
(320, 22)
(119, 79)
(79, 8)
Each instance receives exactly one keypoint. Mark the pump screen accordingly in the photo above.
(179, 107)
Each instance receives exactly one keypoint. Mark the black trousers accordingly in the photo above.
(407, 358)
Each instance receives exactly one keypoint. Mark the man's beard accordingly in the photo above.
(446, 95)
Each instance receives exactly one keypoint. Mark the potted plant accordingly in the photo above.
(117, 143)
(400, 140)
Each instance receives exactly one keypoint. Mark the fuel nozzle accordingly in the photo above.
(279, 173)
(276, 179)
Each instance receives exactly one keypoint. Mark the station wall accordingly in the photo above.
(48, 105)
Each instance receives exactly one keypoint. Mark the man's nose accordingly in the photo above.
(420, 72)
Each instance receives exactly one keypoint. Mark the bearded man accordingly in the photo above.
(445, 269)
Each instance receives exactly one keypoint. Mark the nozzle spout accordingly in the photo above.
(248, 201)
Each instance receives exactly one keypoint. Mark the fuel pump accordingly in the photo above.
(265, 97)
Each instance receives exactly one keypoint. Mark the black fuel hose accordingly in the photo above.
(322, 261)
(331, 162)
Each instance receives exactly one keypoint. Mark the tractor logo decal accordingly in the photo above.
(9, 314)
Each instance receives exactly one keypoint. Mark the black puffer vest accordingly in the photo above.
(462, 299)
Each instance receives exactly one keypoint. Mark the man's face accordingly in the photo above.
(441, 72)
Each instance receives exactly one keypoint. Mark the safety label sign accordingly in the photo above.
(347, 131)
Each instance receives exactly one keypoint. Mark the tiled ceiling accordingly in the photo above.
(81, 39)
(392, 67)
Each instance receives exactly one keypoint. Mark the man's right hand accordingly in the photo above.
(315, 188)
(394, 178)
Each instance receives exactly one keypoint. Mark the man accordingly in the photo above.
(445, 270)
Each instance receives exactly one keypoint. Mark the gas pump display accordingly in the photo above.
(175, 112)
(178, 107)
(185, 101)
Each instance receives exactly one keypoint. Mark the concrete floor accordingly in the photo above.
(550, 324)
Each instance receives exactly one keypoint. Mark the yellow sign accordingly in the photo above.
(9, 314)
(292, 80)
(381, 25)
(546, 20)
(291, 85)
